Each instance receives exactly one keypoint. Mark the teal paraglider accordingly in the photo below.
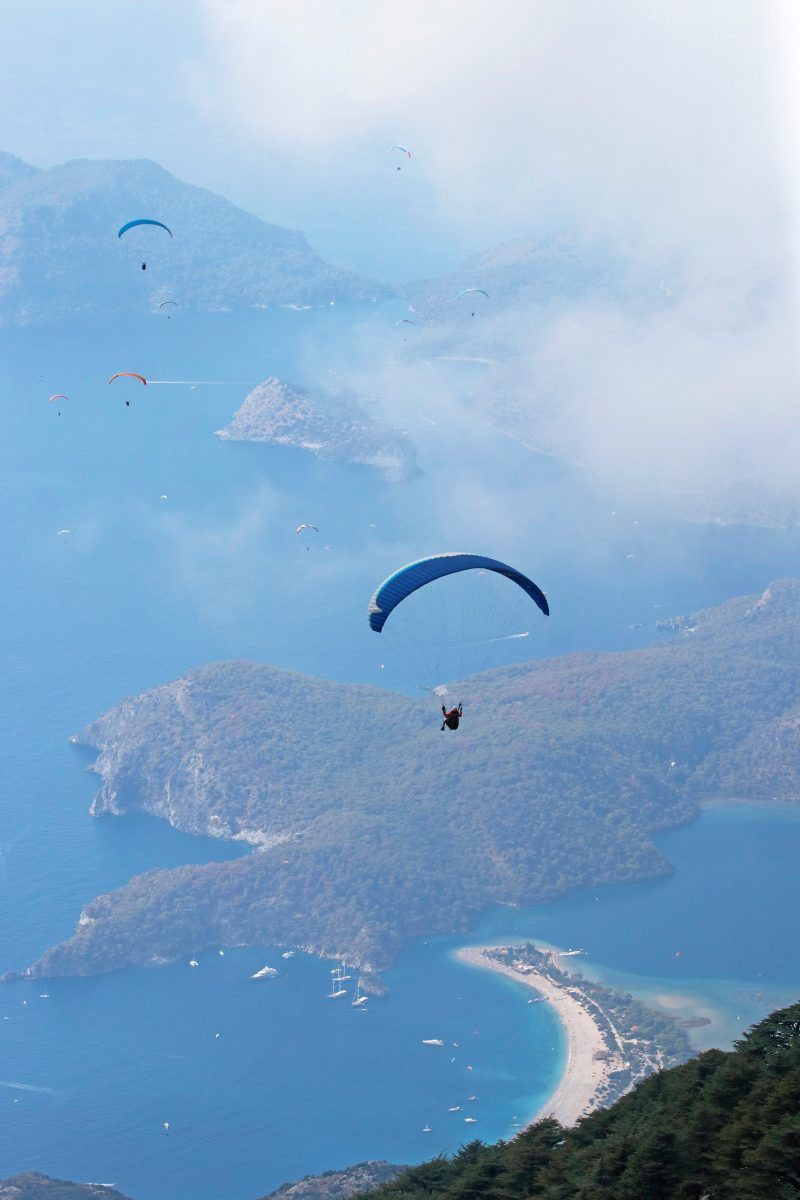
(143, 221)
(416, 574)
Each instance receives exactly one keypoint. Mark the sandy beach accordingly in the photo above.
(587, 1069)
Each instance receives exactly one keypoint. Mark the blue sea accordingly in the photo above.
(264, 1081)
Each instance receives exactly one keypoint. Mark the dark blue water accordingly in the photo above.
(143, 590)
(719, 909)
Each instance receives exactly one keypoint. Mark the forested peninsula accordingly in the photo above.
(372, 828)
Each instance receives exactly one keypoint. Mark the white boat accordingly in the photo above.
(427, 1129)
(265, 973)
(360, 998)
(336, 984)
(288, 954)
(471, 1120)
(432, 1042)
(193, 962)
(455, 1108)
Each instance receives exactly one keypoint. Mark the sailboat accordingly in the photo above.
(361, 996)
(336, 989)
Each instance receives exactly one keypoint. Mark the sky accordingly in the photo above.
(665, 129)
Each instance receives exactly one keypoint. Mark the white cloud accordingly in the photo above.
(654, 121)
(665, 128)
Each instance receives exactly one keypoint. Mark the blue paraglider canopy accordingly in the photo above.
(416, 574)
(143, 221)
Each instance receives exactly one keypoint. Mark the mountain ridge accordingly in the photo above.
(62, 257)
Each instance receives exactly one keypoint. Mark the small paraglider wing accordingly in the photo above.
(404, 321)
(143, 221)
(466, 292)
(409, 578)
(403, 150)
(300, 528)
(166, 303)
(57, 396)
(128, 375)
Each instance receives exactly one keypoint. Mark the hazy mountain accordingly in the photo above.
(334, 427)
(528, 272)
(13, 169)
(61, 256)
(374, 827)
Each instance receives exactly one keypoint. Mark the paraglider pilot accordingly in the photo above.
(451, 718)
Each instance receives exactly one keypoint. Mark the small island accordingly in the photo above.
(613, 1040)
(333, 427)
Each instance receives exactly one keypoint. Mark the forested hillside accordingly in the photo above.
(375, 828)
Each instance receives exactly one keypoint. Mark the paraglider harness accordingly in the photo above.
(451, 718)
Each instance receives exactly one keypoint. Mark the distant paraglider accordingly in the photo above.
(128, 375)
(57, 396)
(168, 304)
(142, 221)
(472, 290)
(403, 150)
(306, 525)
